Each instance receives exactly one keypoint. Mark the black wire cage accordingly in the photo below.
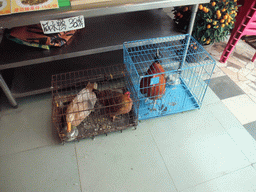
(91, 102)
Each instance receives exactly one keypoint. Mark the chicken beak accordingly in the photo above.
(68, 127)
(95, 86)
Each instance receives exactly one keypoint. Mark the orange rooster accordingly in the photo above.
(116, 103)
(154, 86)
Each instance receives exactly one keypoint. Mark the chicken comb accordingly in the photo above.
(127, 93)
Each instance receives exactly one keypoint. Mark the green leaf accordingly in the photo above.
(215, 33)
(202, 38)
(221, 29)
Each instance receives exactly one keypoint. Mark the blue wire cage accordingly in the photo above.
(169, 74)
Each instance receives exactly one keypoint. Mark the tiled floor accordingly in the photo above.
(235, 82)
(202, 150)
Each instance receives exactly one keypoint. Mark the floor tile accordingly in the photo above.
(224, 87)
(244, 57)
(253, 97)
(251, 128)
(243, 47)
(51, 168)
(128, 161)
(242, 180)
(203, 161)
(215, 50)
(242, 107)
(195, 147)
(235, 129)
(233, 75)
(210, 97)
(254, 166)
(217, 73)
(27, 127)
(185, 128)
(234, 62)
(249, 88)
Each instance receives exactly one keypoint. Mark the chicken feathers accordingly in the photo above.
(116, 103)
(81, 106)
(154, 90)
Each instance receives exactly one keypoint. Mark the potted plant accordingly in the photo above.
(213, 22)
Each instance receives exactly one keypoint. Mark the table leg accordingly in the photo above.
(7, 92)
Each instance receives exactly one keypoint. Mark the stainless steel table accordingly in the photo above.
(106, 11)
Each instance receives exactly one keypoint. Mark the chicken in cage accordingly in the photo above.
(168, 74)
(153, 86)
(92, 102)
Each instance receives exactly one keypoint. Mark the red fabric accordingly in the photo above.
(34, 34)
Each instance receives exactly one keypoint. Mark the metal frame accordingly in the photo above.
(92, 10)
(7, 92)
(162, 87)
(90, 114)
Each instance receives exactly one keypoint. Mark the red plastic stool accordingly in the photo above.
(245, 25)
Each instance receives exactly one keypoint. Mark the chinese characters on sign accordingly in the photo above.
(60, 25)
(34, 8)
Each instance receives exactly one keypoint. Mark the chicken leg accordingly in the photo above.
(153, 108)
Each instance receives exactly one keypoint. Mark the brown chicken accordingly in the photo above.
(154, 89)
(116, 103)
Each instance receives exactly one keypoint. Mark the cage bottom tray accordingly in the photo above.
(96, 123)
(177, 98)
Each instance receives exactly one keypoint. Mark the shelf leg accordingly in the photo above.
(192, 20)
(7, 92)
(190, 30)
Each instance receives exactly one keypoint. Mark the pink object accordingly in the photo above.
(245, 25)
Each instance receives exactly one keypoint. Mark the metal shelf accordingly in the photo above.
(108, 25)
(36, 79)
(91, 10)
(101, 34)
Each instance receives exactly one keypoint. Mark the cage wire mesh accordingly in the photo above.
(94, 101)
(169, 74)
